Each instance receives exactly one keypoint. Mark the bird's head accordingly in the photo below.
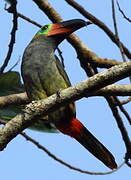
(59, 31)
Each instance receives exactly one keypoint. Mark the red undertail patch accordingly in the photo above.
(73, 128)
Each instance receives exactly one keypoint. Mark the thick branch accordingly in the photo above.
(43, 107)
(21, 98)
(115, 90)
(46, 7)
(13, 99)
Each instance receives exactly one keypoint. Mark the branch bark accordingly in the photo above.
(114, 89)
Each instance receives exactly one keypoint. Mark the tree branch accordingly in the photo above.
(43, 107)
(13, 99)
(118, 103)
(116, 32)
(121, 11)
(115, 89)
(125, 101)
(46, 7)
(13, 34)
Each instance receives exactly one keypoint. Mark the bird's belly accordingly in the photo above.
(41, 82)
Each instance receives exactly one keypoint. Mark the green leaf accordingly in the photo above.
(10, 83)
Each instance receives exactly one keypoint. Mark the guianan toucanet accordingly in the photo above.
(44, 75)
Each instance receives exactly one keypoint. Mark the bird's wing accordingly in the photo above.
(62, 71)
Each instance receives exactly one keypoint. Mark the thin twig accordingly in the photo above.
(122, 12)
(17, 62)
(63, 162)
(116, 32)
(125, 113)
(39, 146)
(13, 34)
(61, 57)
(25, 18)
(127, 161)
(125, 101)
(123, 109)
(29, 20)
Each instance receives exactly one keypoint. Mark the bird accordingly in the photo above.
(43, 75)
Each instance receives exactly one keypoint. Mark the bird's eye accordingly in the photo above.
(44, 27)
(44, 30)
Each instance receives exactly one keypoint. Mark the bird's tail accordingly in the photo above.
(76, 130)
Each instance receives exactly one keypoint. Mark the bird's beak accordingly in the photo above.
(67, 27)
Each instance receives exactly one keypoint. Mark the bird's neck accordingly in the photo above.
(49, 44)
